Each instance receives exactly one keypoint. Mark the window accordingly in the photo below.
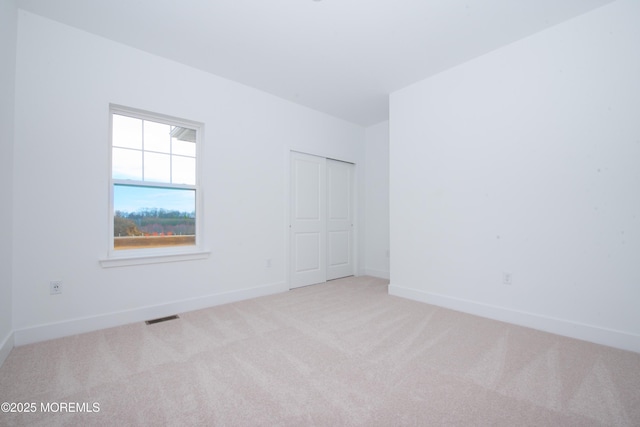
(155, 197)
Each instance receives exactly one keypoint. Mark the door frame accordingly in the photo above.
(287, 209)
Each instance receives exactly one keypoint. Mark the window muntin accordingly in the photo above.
(154, 192)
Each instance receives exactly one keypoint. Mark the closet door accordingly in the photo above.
(339, 219)
(321, 219)
(308, 222)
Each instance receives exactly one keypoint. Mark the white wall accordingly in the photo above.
(65, 81)
(8, 34)
(526, 161)
(377, 200)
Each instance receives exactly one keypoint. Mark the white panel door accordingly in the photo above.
(339, 219)
(308, 226)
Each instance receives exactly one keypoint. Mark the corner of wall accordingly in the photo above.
(381, 274)
(8, 47)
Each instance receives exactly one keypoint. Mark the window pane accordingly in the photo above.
(157, 137)
(157, 167)
(185, 148)
(127, 132)
(150, 217)
(127, 164)
(184, 170)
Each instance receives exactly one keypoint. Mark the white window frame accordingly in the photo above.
(125, 257)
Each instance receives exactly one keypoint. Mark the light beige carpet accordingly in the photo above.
(344, 353)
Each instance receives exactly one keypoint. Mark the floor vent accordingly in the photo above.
(161, 319)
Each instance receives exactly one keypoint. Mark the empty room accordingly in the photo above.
(320, 212)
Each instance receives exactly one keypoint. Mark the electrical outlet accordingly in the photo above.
(267, 263)
(507, 278)
(55, 287)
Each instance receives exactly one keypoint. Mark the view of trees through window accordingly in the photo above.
(179, 228)
(154, 222)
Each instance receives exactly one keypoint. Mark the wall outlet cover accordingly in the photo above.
(55, 287)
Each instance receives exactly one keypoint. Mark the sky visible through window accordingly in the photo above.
(132, 199)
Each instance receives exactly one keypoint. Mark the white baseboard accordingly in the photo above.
(93, 323)
(377, 273)
(6, 345)
(595, 334)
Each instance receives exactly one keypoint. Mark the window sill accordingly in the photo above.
(152, 259)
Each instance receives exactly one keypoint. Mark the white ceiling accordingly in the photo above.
(342, 57)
